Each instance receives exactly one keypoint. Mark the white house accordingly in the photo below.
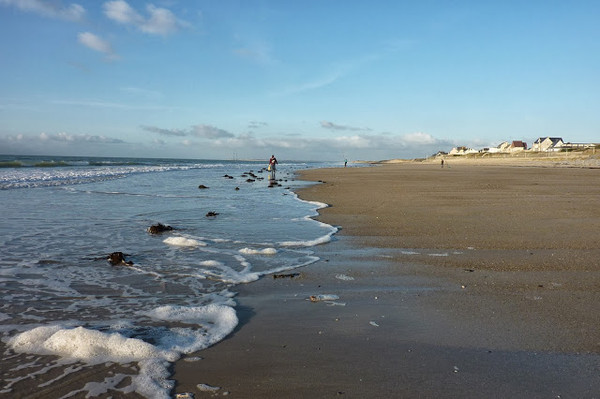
(462, 151)
(548, 144)
(504, 146)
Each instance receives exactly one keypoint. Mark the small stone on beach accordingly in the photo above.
(207, 388)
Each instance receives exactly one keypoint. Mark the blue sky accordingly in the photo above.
(309, 80)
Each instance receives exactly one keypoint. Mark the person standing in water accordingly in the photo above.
(272, 166)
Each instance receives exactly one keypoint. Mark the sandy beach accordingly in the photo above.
(472, 280)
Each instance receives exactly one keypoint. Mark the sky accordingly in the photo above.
(304, 80)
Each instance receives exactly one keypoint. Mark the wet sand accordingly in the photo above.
(469, 281)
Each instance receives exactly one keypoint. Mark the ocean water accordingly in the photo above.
(63, 216)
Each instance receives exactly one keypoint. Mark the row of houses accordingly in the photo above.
(557, 144)
(542, 144)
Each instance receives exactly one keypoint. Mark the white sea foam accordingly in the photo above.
(319, 205)
(209, 324)
(265, 251)
(309, 243)
(231, 276)
(90, 346)
(95, 389)
(343, 277)
(317, 241)
(183, 242)
(213, 263)
(216, 322)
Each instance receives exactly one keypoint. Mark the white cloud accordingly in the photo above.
(419, 138)
(361, 145)
(200, 131)
(15, 139)
(166, 132)
(97, 44)
(213, 142)
(53, 9)
(120, 11)
(160, 21)
(210, 132)
(333, 126)
(79, 138)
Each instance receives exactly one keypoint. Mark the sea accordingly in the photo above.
(65, 308)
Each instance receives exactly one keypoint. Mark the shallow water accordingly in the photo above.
(63, 216)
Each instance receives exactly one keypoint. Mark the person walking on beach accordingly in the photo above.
(442, 163)
(345, 162)
(272, 166)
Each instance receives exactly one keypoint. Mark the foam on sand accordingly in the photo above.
(216, 322)
(80, 343)
(208, 325)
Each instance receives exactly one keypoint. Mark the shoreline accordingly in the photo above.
(432, 315)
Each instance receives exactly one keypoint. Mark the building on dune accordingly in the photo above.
(548, 144)
(542, 144)
(462, 151)
(518, 145)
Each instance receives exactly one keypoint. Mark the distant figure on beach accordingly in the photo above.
(442, 163)
(345, 162)
(272, 166)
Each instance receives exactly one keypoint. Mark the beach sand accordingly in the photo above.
(475, 280)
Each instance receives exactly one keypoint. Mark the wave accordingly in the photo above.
(115, 163)
(51, 164)
(42, 177)
(11, 164)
